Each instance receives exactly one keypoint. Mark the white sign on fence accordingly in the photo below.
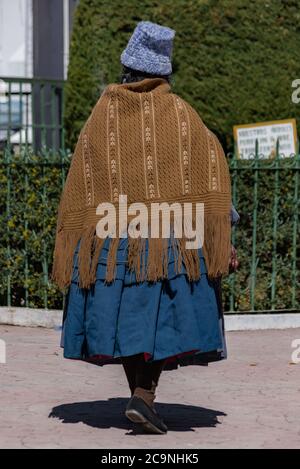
(267, 134)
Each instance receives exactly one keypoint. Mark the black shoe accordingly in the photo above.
(139, 412)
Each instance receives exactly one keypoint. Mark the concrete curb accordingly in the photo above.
(30, 317)
(52, 318)
(254, 322)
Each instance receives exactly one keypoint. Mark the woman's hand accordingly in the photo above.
(233, 262)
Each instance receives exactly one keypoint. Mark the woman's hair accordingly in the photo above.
(130, 75)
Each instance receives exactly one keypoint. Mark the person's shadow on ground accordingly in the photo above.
(110, 413)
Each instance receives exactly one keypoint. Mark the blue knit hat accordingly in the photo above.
(149, 49)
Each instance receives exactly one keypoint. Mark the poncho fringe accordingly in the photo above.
(155, 267)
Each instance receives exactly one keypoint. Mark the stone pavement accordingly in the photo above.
(251, 400)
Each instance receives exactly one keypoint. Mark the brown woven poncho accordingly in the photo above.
(144, 141)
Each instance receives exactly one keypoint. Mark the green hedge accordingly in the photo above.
(33, 199)
(30, 187)
(234, 60)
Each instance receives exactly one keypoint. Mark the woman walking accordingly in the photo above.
(149, 303)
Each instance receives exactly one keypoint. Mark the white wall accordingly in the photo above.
(16, 38)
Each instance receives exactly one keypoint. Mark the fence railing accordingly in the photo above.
(31, 113)
(33, 168)
(266, 193)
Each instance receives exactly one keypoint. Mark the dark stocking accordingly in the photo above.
(140, 373)
(130, 365)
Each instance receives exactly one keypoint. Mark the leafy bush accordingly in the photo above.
(234, 60)
(29, 195)
(30, 187)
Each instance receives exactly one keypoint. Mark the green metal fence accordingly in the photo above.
(32, 174)
(33, 166)
(31, 113)
(266, 192)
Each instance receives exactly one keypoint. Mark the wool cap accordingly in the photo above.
(149, 49)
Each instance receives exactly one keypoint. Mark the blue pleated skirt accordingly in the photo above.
(172, 319)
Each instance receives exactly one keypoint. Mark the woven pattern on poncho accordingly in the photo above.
(144, 141)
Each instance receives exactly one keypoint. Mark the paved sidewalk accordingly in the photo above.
(250, 400)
